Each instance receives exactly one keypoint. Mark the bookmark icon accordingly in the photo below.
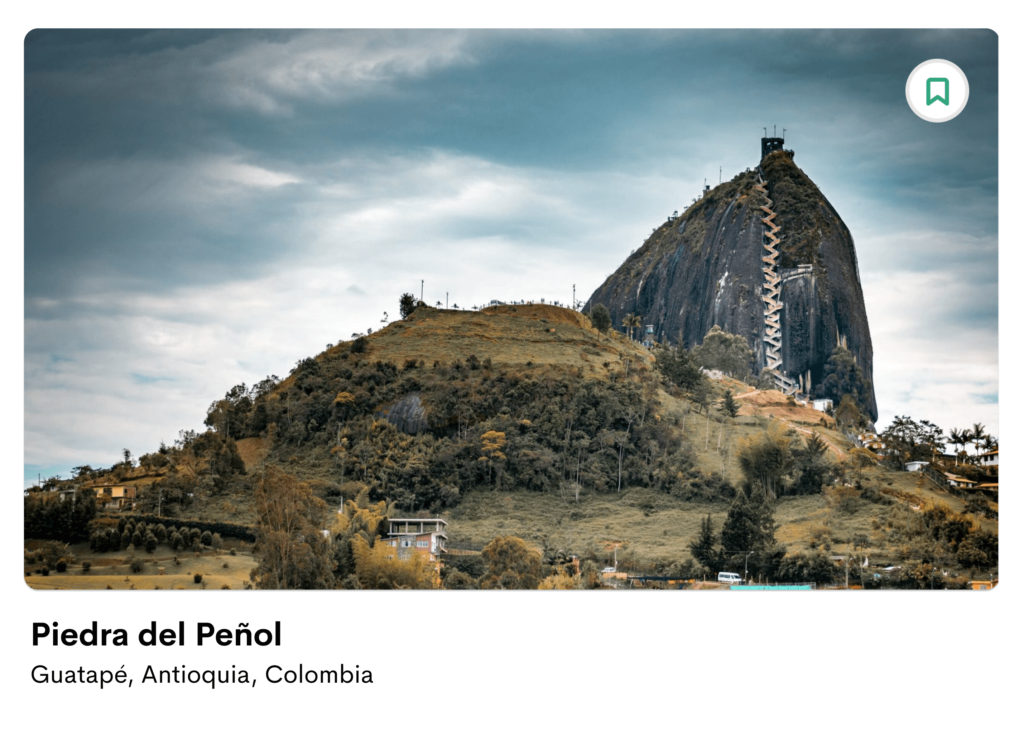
(937, 90)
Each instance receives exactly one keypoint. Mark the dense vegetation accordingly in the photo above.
(351, 429)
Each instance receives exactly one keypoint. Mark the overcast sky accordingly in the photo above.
(207, 208)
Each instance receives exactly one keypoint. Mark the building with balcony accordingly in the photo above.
(426, 535)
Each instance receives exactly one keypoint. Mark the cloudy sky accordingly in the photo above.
(206, 208)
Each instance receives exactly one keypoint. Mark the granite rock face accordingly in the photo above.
(703, 268)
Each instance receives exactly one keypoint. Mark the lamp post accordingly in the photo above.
(745, 566)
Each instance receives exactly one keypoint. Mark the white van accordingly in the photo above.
(729, 578)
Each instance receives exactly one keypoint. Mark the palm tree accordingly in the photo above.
(976, 435)
(629, 322)
(956, 437)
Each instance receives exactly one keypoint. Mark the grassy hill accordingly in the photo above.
(526, 421)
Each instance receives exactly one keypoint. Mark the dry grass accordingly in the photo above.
(253, 451)
(658, 527)
(111, 569)
(537, 333)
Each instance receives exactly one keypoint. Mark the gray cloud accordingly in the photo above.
(204, 208)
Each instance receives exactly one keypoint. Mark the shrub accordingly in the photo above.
(86, 565)
(50, 552)
(225, 565)
(30, 557)
(136, 565)
(151, 542)
(233, 551)
(45, 570)
(359, 345)
(197, 578)
(206, 538)
(62, 565)
(225, 587)
(217, 541)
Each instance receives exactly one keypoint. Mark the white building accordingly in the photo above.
(990, 459)
(916, 465)
(822, 404)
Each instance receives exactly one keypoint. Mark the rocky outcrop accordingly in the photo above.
(704, 268)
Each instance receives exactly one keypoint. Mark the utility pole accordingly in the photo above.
(421, 290)
(574, 297)
(446, 300)
(719, 174)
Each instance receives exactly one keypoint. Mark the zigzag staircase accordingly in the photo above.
(772, 297)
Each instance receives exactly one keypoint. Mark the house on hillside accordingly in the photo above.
(916, 465)
(426, 535)
(990, 458)
(822, 404)
(116, 497)
(955, 480)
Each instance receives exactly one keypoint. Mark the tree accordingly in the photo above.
(407, 305)
(703, 548)
(812, 467)
(679, 367)
(977, 434)
(456, 580)
(511, 564)
(843, 376)
(290, 547)
(380, 566)
(907, 440)
(847, 414)
(53, 551)
(150, 542)
(600, 317)
(766, 380)
(729, 405)
(49, 516)
(748, 536)
(629, 322)
(491, 445)
(765, 461)
(723, 351)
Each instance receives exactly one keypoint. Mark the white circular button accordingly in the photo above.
(937, 90)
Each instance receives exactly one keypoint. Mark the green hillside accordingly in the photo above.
(527, 421)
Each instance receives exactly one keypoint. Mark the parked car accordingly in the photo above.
(733, 578)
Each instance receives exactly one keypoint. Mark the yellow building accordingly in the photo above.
(116, 497)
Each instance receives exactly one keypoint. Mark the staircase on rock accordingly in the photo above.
(772, 297)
